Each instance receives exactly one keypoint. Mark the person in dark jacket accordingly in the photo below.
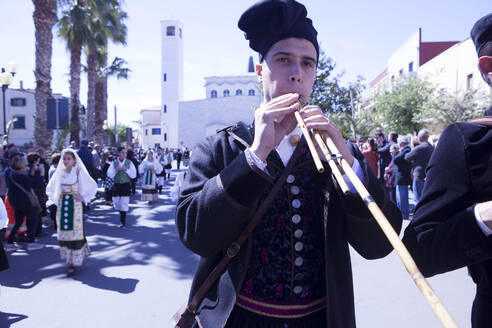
(452, 225)
(419, 157)
(36, 169)
(401, 177)
(295, 268)
(17, 176)
(178, 156)
(384, 151)
(86, 156)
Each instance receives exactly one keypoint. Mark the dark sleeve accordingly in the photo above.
(444, 234)
(34, 181)
(412, 155)
(218, 197)
(384, 148)
(400, 158)
(363, 231)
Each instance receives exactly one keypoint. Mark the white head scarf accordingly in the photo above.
(87, 185)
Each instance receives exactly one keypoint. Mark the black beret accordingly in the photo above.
(269, 21)
(481, 33)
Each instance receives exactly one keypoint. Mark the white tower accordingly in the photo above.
(171, 80)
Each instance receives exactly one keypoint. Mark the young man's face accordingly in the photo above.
(288, 67)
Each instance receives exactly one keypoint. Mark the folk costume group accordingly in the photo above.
(294, 270)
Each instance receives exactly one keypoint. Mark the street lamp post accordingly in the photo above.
(6, 79)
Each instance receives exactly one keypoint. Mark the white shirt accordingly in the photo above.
(131, 171)
(285, 151)
(482, 224)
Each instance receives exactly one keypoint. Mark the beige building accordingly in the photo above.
(150, 133)
(20, 104)
(455, 69)
(451, 65)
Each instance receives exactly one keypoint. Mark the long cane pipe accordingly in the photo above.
(429, 294)
(410, 265)
(312, 148)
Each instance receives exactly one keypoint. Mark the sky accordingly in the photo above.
(359, 35)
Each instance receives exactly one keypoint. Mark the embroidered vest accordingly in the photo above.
(121, 176)
(287, 259)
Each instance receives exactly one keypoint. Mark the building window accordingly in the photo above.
(239, 92)
(469, 81)
(164, 109)
(251, 92)
(156, 131)
(17, 102)
(146, 132)
(171, 30)
(180, 33)
(165, 136)
(164, 78)
(401, 71)
(213, 94)
(410, 67)
(226, 93)
(20, 122)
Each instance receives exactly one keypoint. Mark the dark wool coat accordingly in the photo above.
(444, 234)
(419, 157)
(219, 197)
(402, 168)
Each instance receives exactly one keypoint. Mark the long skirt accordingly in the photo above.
(149, 189)
(70, 221)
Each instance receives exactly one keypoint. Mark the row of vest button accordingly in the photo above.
(296, 203)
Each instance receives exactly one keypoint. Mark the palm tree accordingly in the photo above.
(118, 69)
(44, 17)
(105, 21)
(73, 27)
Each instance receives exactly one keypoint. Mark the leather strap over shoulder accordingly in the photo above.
(485, 120)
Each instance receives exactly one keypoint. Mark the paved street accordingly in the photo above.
(139, 276)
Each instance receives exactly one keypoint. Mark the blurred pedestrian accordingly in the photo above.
(419, 157)
(22, 198)
(149, 168)
(122, 171)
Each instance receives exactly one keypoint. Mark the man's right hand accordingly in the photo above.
(485, 211)
(273, 121)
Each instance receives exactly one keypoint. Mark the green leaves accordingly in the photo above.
(413, 103)
(401, 107)
(446, 108)
(338, 101)
(327, 92)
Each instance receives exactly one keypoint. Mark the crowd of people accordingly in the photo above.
(62, 187)
(399, 162)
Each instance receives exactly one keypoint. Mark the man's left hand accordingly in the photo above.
(315, 119)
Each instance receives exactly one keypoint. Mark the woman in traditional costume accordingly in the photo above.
(149, 168)
(69, 187)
